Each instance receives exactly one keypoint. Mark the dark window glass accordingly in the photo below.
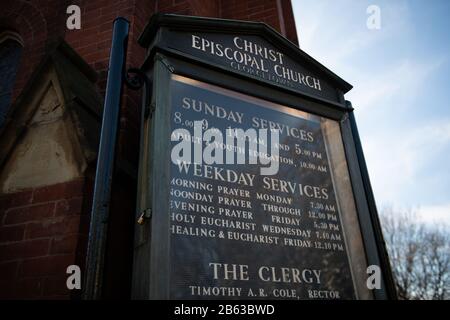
(10, 52)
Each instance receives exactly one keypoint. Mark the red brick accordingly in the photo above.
(87, 49)
(7, 289)
(4, 202)
(59, 191)
(69, 207)
(66, 244)
(8, 270)
(15, 199)
(24, 249)
(30, 213)
(52, 227)
(84, 224)
(46, 266)
(30, 288)
(21, 198)
(11, 233)
(56, 286)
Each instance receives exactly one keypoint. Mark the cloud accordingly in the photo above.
(397, 161)
(403, 150)
(397, 84)
(435, 214)
(334, 31)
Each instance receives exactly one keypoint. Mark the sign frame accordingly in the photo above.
(152, 240)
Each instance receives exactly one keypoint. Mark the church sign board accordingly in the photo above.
(252, 183)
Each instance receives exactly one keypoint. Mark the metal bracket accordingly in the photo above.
(135, 78)
(149, 110)
(146, 214)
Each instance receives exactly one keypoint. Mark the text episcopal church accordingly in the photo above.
(307, 230)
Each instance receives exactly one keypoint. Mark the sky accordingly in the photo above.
(401, 78)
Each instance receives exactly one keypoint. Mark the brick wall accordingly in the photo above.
(44, 230)
(41, 22)
(276, 13)
(254, 10)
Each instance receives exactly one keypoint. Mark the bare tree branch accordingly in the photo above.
(419, 255)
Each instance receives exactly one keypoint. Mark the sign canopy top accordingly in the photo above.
(250, 49)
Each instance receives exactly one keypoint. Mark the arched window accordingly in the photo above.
(10, 52)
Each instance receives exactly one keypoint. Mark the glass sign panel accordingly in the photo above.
(238, 231)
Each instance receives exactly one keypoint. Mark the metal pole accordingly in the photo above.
(105, 162)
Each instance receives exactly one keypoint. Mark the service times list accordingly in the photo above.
(238, 234)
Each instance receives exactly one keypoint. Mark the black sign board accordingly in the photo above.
(254, 57)
(238, 234)
(218, 229)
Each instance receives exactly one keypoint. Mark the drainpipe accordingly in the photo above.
(105, 163)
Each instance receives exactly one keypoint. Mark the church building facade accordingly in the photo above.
(52, 82)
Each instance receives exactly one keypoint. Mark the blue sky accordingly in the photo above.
(401, 79)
